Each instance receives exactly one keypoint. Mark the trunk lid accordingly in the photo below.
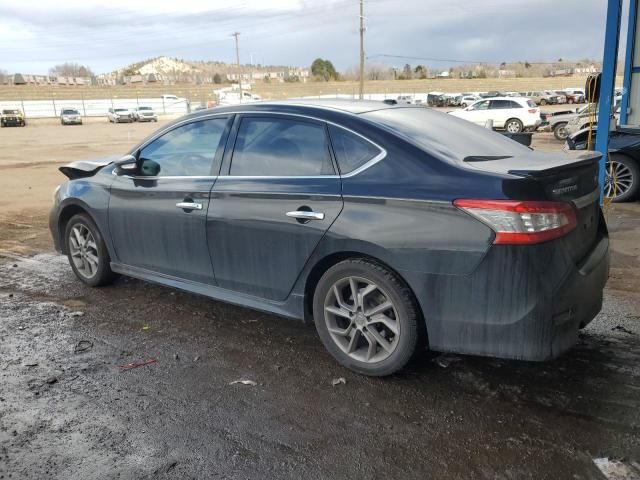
(558, 178)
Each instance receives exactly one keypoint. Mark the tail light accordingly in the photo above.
(533, 110)
(522, 222)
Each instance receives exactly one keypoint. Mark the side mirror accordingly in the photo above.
(126, 165)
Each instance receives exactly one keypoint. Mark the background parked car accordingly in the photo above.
(70, 116)
(405, 99)
(559, 121)
(12, 117)
(144, 114)
(572, 97)
(119, 115)
(562, 97)
(436, 99)
(514, 114)
(469, 99)
(541, 98)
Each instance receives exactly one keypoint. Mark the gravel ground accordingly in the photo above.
(78, 414)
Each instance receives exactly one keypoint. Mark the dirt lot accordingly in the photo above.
(68, 410)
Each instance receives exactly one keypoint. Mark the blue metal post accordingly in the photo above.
(607, 84)
(628, 61)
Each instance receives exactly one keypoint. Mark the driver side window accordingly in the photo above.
(481, 105)
(188, 150)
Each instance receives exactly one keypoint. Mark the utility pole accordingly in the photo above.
(237, 34)
(361, 49)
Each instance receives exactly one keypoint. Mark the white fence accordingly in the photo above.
(94, 108)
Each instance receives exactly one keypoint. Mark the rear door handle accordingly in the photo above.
(306, 215)
(189, 205)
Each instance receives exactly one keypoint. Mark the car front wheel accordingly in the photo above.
(87, 252)
(366, 317)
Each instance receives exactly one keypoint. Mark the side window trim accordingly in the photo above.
(218, 156)
(225, 170)
(382, 153)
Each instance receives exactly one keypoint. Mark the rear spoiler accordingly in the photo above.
(545, 169)
(86, 168)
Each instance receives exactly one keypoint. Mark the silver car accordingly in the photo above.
(144, 114)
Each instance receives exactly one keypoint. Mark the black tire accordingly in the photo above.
(632, 169)
(560, 131)
(515, 125)
(405, 315)
(543, 102)
(570, 101)
(103, 274)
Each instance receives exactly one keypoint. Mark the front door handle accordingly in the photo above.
(306, 215)
(189, 205)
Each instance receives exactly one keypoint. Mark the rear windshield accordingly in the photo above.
(144, 108)
(120, 109)
(531, 103)
(444, 135)
(69, 111)
(9, 112)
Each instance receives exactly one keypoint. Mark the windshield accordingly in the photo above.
(444, 135)
(120, 109)
(144, 108)
(69, 111)
(10, 112)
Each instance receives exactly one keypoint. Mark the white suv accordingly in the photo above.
(514, 114)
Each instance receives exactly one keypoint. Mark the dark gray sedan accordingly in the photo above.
(390, 227)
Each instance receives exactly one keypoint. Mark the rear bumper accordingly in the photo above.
(525, 303)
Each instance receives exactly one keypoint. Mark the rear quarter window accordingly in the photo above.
(352, 151)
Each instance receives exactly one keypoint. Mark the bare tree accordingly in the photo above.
(70, 69)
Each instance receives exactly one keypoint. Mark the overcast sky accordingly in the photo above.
(105, 35)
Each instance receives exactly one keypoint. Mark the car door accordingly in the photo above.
(478, 112)
(499, 112)
(157, 214)
(277, 195)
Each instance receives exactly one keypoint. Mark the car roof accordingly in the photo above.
(317, 107)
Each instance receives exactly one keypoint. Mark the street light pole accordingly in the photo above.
(237, 34)
(361, 49)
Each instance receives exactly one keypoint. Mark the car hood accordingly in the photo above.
(87, 168)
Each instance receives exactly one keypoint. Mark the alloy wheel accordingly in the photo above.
(513, 127)
(84, 251)
(618, 179)
(361, 319)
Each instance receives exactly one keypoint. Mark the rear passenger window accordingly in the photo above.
(500, 104)
(352, 151)
(514, 104)
(280, 147)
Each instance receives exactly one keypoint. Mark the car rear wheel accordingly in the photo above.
(366, 317)
(87, 252)
(622, 178)
(543, 102)
(513, 125)
(560, 131)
